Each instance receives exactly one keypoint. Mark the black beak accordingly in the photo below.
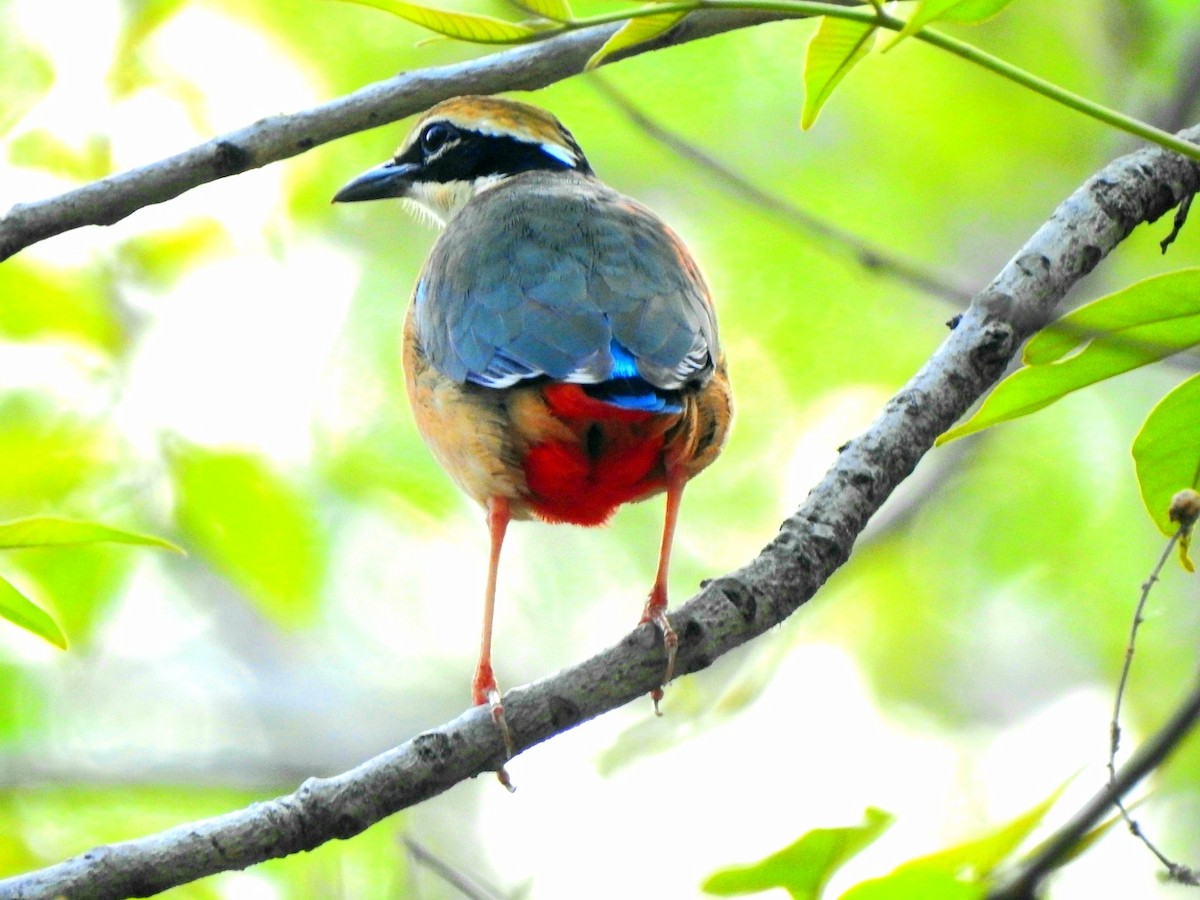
(391, 179)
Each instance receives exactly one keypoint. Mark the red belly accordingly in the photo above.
(616, 458)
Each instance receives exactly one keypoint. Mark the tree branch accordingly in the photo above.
(274, 138)
(726, 613)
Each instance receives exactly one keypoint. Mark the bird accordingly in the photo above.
(560, 348)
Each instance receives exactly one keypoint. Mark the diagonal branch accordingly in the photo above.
(1024, 883)
(279, 137)
(729, 611)
(827, 235)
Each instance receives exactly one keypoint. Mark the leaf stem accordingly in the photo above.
(1060, 95)
(868, 15)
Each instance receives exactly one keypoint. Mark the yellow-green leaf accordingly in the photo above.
(28, 75)
(1081, 846)
(634, 32)
(960, 872)
(46, 454)
(158, 258)
(1170, 301)
(43, 301)
(915, 884)
(41, 149)
(834, 49)
(1166, 451)
(23, 612)
(45, 531)
(554, 10)
(977, 858)
(139, 21)
(1143, 323)
(463, 26)
(964, 11)
(254, 527)
(804, 868)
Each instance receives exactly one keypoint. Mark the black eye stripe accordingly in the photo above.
(461, 155)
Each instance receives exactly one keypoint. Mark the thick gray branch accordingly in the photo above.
(729, 611)
(279, 137)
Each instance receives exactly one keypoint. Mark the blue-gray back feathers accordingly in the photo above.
(555, 274)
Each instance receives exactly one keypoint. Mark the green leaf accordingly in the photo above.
(252, 526)
(834, 49)
(463, 26)
(1166, 451)
(1170, 301)
(1143, 323)
(803, 868)
(554, 10)
(963, 11)
(634, 32)
(84, 580)
(50, 532)
(23, 612)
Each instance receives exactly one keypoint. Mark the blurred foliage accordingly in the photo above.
(41, 301)
(803, 868)
(328, 607)
(44, 532)
(252, 526)
(961, 872)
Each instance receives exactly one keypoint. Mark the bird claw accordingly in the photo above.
(504, 779)
(658, 616)
(490, 694)
(497, 708)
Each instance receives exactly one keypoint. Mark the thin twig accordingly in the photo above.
(460, 881)
(1115, 728)
(1176, 871)
(867, 255)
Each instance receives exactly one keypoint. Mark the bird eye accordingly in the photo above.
(436, 136)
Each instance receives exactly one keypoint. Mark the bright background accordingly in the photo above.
(223, 371)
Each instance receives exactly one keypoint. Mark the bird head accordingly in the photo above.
(463, 146)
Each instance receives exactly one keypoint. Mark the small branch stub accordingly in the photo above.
(1185, 510)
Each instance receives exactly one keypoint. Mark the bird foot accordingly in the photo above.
(485, 690)
(658, 615)
(492, 698)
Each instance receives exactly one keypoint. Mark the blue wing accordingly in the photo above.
(558, 276)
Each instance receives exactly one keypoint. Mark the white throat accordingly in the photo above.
(439, 202)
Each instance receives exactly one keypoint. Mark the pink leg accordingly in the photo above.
(484, 688)
(656, 605)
